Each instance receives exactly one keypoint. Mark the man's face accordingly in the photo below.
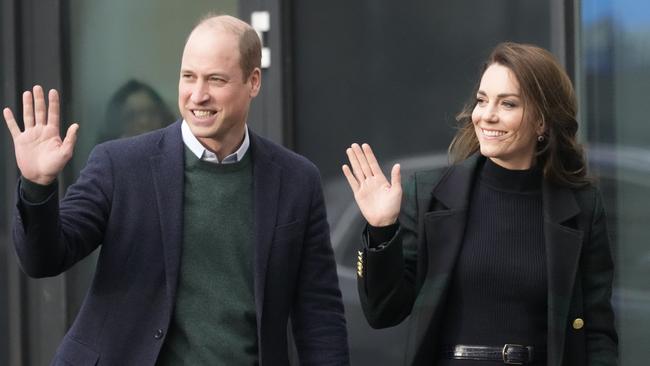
(213, 97)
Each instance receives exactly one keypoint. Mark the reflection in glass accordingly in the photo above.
(135, 108)
(615, 67)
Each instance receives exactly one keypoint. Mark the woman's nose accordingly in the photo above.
(490, 113)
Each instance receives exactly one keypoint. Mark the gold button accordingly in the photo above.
(578, 323)
(360, 263)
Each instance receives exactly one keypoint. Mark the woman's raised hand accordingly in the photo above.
(40, 153)
(378, 199)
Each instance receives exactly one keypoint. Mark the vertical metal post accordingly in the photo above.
(271, 112)
(31, 53)
(15, 337)
(558, 30)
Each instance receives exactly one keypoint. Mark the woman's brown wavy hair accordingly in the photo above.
(548, 96)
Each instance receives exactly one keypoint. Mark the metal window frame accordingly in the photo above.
(563, 33)
(31, 52)
(271, 114)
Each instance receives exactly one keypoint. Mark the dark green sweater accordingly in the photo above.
(214, 316)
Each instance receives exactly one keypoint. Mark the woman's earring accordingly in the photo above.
(540, 138)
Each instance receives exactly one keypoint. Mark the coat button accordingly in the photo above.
(159, 334)
(578, 323)
(360, 263)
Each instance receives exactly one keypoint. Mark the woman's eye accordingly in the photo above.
(509, 104)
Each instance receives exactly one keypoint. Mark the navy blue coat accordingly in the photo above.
(129, 200)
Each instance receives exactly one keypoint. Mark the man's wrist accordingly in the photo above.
(34, 192)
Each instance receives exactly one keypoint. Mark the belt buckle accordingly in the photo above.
(505, 355)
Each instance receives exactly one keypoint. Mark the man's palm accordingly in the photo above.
(40, 153)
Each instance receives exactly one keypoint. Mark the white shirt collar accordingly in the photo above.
(202, 153)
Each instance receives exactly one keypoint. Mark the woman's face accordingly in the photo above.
(141, 114)
(498, 117)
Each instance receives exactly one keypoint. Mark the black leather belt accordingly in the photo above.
(509, 354)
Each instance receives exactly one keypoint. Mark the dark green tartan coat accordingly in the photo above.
(410, 274)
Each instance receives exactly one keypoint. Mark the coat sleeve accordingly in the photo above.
(386, 276)
(597, 275)
(49, 236)
(317, 318)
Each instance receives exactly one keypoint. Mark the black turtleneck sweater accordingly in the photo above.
(498, 292)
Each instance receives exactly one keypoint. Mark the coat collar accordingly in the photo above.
(454, 188)
(454, 191)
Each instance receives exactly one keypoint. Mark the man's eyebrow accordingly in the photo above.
(218, 74)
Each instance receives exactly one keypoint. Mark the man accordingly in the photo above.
(211, 236)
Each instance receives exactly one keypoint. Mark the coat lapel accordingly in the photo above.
(563, 246)
(266, 191)
(167, 171)
(444, 213)
(444, 224)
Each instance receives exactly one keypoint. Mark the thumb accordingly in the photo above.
(70, 139)
(396, 177)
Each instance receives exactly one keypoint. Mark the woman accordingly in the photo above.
(504, 257)
(135, 108)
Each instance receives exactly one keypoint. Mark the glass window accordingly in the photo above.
(394, 75)
(614, 69)
(124, 64)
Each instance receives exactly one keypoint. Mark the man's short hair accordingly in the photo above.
(250, 45)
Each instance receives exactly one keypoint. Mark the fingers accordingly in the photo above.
(372, 161)
(356, 167)
(354, 184)
(70, 139)
(53, 110)
(11, 122)
(363, 162)
(396, 177)
(28, 109)
(39, 105)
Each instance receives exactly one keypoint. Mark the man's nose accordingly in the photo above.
(199, 92)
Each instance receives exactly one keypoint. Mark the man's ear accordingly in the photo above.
(255, 80)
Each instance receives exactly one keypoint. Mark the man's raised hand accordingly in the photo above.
(40, 153)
